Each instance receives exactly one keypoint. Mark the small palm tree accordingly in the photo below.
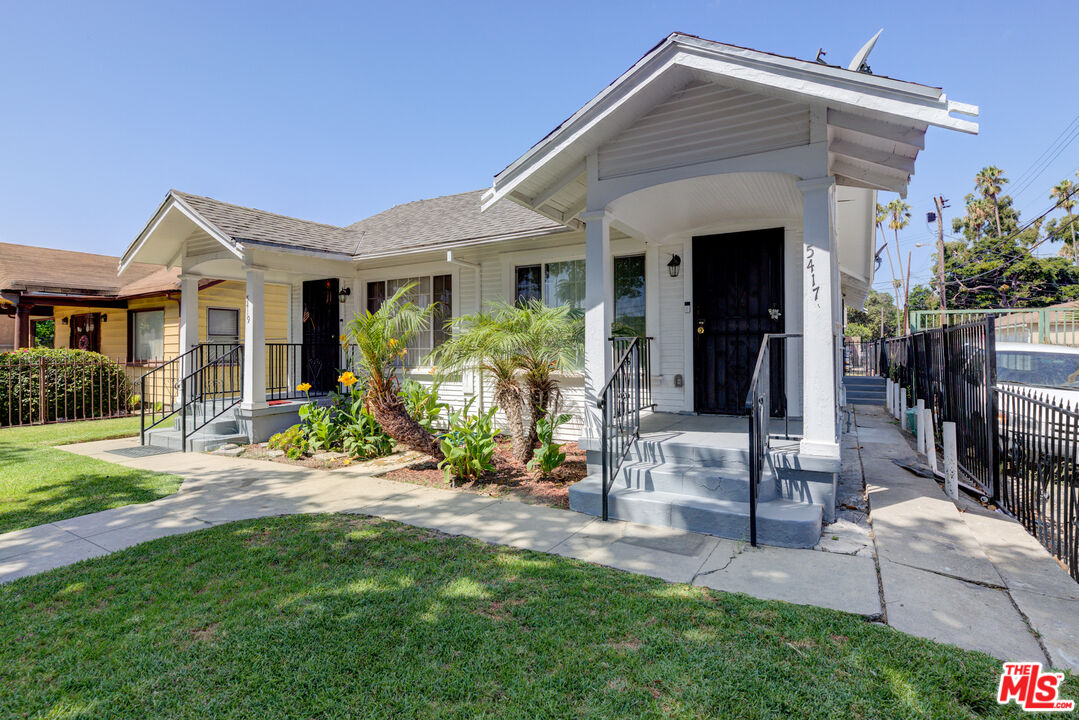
(990, 181)
(381, 339)
(523, 347)
(1065, 190)
(899, 218)
(879, 217)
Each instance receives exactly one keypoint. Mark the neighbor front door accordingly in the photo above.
(86, 332)
(321, 334)
(737, 298)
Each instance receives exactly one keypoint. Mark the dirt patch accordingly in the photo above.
(205, 634)
(320, 461)
(509, 478)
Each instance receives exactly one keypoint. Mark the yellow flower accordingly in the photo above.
(348, 379)
(303, 387)
(393, 341)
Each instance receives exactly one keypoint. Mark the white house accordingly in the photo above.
(709, 195)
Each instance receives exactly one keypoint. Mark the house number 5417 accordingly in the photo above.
(813, 286)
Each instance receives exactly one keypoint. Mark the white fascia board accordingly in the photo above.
(473, 242)
(172, 202)
(806, 81)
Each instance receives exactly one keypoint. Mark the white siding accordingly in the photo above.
(702, 123)
(669, 349)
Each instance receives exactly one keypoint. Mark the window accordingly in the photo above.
(147, 333)
(629, 296)
(222, 325)
(556, 283)
(426, 291)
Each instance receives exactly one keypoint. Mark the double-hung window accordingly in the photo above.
(147, 335)
(426, 290)
(222, 325)
(554, 283)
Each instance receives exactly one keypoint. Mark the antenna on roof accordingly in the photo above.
(820, 56)
(859, 62)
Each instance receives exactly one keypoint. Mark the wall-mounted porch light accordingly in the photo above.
(674, 266)
(344, 294)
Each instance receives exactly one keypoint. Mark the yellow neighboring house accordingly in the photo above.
(132, 319)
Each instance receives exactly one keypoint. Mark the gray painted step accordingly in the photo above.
(779, 522)
(730, 459)
(863, 381)
(696, 479)
(198, 442)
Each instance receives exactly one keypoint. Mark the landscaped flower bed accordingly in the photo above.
(509, 478)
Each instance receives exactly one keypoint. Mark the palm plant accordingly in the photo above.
(381, 339)
(523, 347)
(990, 181)
(1065, 191)
(880, 215)
(899, 218)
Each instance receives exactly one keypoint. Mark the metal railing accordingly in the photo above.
(160, 387)
(619, 344)
(289, 364)
(1039, 438)
(210, 390)
(1046, 326)
(761, 407)
(862, 358)
(36, 388)
(620, 403)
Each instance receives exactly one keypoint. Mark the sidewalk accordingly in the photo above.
(221, 489)
(961, 574)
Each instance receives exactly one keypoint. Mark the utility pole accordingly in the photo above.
(941, 204)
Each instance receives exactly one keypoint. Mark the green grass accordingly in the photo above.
(39, 484)
(340, 616)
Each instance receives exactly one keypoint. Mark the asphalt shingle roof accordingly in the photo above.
(27, 267)
(410, 226)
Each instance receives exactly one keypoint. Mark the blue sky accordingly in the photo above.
(335, 111)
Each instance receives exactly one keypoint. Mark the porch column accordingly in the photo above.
(598, 290)
(189, 318)
(22, 326)
(254, 341)
(819, 319)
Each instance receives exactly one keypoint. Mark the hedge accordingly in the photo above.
(39, 385)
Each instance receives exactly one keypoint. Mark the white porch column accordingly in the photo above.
(599, 289)
(189, 318)
(254, 341)
(819, 319)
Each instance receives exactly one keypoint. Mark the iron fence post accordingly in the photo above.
(603, 454)
(992, 409)
(142, 410)
(183, 414)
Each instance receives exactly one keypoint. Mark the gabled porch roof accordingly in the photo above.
(874, 126)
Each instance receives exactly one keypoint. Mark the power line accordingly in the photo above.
(1026, 179)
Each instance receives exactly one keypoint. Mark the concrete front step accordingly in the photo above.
(782, 522)
(200, 441)
(732, 459)
(695, 479)
(865, 390)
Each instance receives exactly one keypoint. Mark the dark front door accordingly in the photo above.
(737, 298)
(321, 334)
(86, 332)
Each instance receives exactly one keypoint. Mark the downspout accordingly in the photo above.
(476, 268)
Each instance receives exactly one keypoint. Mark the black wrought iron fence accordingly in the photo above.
(619, 345)
(62, 385)
(862, 358)
(1039, 454)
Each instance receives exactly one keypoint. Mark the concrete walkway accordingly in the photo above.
(975, 579)
(959, 573)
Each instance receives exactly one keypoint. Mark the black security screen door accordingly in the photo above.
(321, 325)
(737, 298)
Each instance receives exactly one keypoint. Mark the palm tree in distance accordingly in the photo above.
(880, 215)
(1065, 192)
(899, 218)
(990, 181)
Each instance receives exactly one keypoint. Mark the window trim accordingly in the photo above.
(220, 308)
(131, 312)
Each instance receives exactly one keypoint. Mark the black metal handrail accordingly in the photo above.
(160, 387)
(619, 344)
(210, 390)
(620, 401)
(759, 412)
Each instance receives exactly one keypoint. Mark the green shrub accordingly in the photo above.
(548, 456)
(422, 403)
(45, 384)
(361, 435)
(319, 429)
(292, 441)
(469, 446)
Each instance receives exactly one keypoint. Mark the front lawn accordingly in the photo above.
(40, 484)
(346, 616)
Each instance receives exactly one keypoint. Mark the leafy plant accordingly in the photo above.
(469, 446)
(523, 347)
(318, 427)
(361, 434)
(422, 403)
(381, 339)
(548, 457)
(292, 441)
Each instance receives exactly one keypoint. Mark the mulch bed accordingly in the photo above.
(509, 478)
(319, 461)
